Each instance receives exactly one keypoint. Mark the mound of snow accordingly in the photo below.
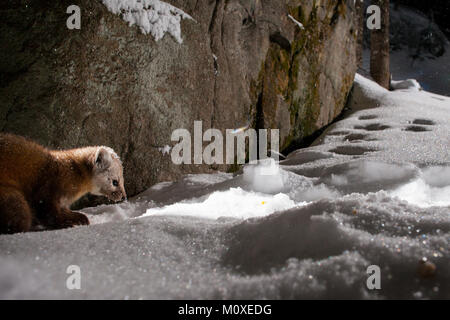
(432, 188)
(265, 176)
(233, 203)
(409, 84)
(323, 250)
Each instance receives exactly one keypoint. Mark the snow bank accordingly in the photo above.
(322, 250)
(151, 16)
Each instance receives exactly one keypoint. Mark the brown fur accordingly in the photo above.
(38, 185)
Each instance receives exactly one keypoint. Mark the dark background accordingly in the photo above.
(438, 10)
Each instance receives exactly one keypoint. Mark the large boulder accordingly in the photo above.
(241, 61)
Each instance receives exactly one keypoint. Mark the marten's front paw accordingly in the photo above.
(79, 219)
(71, 218)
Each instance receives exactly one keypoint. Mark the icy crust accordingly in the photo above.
(151, 16)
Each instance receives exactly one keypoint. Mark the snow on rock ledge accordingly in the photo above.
(152, 16)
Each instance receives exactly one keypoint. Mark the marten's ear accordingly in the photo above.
(103, 158)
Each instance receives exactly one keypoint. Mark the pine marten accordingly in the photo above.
(38, 185)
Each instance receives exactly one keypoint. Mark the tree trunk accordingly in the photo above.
(379, 53)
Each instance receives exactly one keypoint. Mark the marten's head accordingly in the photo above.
(107, 175)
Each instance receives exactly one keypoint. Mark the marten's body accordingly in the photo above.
(37, 185)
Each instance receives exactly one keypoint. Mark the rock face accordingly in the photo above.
(241, 61)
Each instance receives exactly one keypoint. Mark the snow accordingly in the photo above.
(374, 189)
(151, 16)
(265, 177)
(411, 84)
(208, 179)
(234, 203)
(432, 188)
(430, 73)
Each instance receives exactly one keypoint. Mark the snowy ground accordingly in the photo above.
(374, 189)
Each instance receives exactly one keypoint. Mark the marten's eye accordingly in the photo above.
(115, 183)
